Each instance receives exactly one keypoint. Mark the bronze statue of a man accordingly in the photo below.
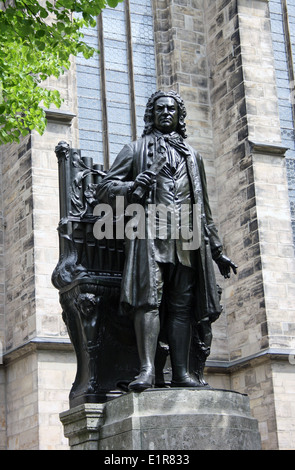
(172, 271)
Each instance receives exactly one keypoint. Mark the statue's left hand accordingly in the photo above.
(225, 265)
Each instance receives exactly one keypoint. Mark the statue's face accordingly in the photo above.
(166, 114)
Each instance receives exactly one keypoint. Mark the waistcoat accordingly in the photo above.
(174, 217)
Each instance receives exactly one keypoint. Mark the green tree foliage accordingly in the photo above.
(37, 40)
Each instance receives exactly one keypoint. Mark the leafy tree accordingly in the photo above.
(37, 40)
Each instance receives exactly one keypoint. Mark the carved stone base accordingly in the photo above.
(167, 419)
(82, 425)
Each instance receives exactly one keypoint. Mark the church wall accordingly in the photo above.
(254, 214)
(242, 296)
(56, 373)
(19, 244)
(31, 304)
(256, 380)
(22, 403)
(2, 409)
(283, 373)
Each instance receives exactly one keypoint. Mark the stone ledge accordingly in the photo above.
(82, 425)
(37, 343)
(59, 115)
(281, 354)
(64, 344)
(266, 148)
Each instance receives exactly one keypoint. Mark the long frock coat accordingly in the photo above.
(139, 288)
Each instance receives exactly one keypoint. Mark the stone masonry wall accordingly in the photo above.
(257, 381)
(284, 385)
(49, 322)
(235, 180)
(22, 404)
(253, 201)
(243, 297)
(31, 215)
(56, 373)
(19, 244)
(271, 186)
(38, 385)
(273, 211)
(32, 311)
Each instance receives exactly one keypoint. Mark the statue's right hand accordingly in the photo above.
(144, 179)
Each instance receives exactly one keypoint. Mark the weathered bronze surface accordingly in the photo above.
(139, 309)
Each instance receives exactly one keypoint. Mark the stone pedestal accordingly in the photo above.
(82, 425)
(165, 419)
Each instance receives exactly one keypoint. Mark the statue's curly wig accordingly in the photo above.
(149, 112)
